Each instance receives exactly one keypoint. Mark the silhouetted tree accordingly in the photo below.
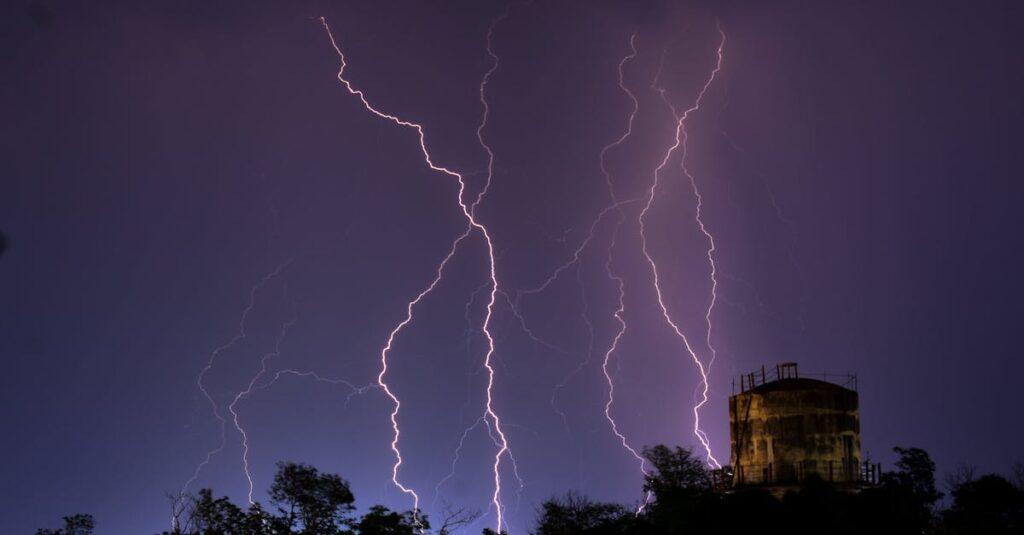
(906, 497)
(203, 514)
(79, 524)
(576, 514)
(260, 522)
(963, 473)
(317, 504)
(684, 500)
(382, 521)
(308, 503)
(677, 472)
(915, 471)
(216, 515)
(453, 518)
(989, 505)
(1017, 475)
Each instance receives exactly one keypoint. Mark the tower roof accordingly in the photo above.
(796, 383)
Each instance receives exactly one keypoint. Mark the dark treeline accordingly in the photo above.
(683, 499)
(904, 502)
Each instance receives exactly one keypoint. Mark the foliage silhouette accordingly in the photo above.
(73, 525)
(315, 503)
(987, 505)
(382, 521)
(684, 499)
(904, 502)
(307, 502)
(574, 514)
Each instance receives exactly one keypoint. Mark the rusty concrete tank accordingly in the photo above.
(784, 428)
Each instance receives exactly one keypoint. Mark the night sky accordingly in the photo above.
(859, 165)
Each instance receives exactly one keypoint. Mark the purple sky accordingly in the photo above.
(859, 166)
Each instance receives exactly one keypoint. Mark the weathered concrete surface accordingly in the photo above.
(786, 430)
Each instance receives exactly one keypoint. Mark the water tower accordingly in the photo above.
(784, 428)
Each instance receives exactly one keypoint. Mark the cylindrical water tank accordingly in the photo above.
(786, 428)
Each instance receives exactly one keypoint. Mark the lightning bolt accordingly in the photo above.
(482, 92)
(214, 406)
(494, 421)
(473, 226)
(786, 221)
(698, 215)
(585, 316)
(610, 400)
(515, 305)
(616, 205)
(248, 390)
(710, 254)
(482, 419)
(613, 276)
(456, 456)
(253, 387)
(680, 144)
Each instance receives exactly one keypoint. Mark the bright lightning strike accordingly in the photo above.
(698, 215)
(680, 143)
(473, 224)
(610, 400)
(490, 418)
(620, 285)
(500, 440)
(615, 206)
